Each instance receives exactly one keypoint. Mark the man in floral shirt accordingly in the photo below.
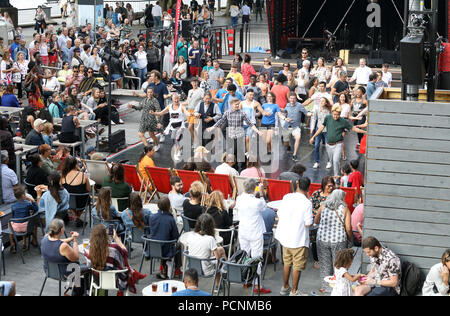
(385, 275)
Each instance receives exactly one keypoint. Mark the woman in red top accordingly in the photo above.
(247, 70)
(355, 180)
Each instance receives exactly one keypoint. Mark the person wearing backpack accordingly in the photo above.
(385, 274)
(437, 281)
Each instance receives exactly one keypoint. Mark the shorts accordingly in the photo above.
(191, 119)
(248, 131)
(287, 132)
(296, 257)
(115, 77)
(268, 126)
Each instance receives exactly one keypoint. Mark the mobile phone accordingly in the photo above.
(111, 229)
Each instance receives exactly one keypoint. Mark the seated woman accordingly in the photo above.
(216, 208)
(36, 175)
(75, 181)
(437, 281)
(135, 215)
(145, 160)
(50, 85)
(88, 83)
(54, 202)
(72, 100)
(26, 122)
(56, 111)
(57, 250)
(163, 227)
(47, 134)
(63, 73)
(106, 256)
(50, 163)
(119, 188)
(69, 124)
(253, 170)
(25, 206)
(202, 244)
(104, 211)
(192, 208)
(9, 98)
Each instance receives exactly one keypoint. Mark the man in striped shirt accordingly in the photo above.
(336, 126)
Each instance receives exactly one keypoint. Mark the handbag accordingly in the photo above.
(349, 239)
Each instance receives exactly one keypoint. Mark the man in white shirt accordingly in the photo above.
(319, 95)
(387, 76)
(226, 167)
(361, 74)
(251, 223)
(85, 54)
(176, 196)
(294, 220)
(246, 14)
(62, 39)
(157, 15)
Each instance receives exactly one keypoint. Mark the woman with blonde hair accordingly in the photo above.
(215, 206)
(193, 208)
(104, 256)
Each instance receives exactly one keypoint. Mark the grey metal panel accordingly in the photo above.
(423, 119)
(408, 132)
(408, 238)
(409, 143)
(406, 226)
(406, 191)
(392, 106)
(406, 203)
(409, 215)
(407, 167)
(416, 251)
(408, 155)
(408, 179)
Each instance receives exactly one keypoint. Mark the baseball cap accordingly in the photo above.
(39, 122)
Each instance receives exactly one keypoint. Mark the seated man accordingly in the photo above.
(176, 196)
(191, 283)
(384, 277)
(34, 137)
(9, 179)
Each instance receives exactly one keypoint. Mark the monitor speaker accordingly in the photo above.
(412, 60)
(116, 141)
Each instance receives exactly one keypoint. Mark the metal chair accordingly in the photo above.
(115, 202)
(155, 251)
(230, 245)
(30, 188)
(32, 220)
(107, 281)
(197, 264)
(233, 274)
(186, 224)
(2, 258)
(73, 205)
(136, 237)
(270, 246)
(53, 271)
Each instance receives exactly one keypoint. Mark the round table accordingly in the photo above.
(147, 291)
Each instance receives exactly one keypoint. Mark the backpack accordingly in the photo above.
(249, 273)
(410, 281)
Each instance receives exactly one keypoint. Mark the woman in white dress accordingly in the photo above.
(167, 64)
(343, 262)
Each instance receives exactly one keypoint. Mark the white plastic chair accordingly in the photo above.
(115, 202)
(107, 281)
(97, 170)
(230, 245)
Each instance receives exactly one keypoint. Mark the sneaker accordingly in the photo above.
(316, 165)
(156, 148)
(162, 138)
(285, 291)
(121, 121)
(101, 131)
(262, 290)
(329, 165)
(294, 158)
(298, 293)
(112, 123)
(161, 276)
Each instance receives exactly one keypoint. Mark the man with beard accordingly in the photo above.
(176, 196)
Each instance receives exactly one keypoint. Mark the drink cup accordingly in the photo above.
(85, 243)
(174, 289)
(154, 287)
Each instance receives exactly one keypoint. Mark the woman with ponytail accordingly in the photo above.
(54, 202)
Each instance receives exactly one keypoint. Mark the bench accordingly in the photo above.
(355, 268)
(70, 145)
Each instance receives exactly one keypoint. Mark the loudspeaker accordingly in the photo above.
(283, 54)
(374, 62)
(413, 64)
(116, 141)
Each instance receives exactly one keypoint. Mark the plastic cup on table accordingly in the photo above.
(174, 289)
(154, 287)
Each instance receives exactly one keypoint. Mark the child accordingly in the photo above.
(24, 207)
(343, 285)
(345, 171)
(54, 108)
(355, 179)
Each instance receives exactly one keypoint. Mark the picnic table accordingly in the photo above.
(84, 124)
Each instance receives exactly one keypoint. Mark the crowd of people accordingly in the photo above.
(196, 94)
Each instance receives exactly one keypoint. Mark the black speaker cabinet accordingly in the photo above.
(116, 141)
(412, 60)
